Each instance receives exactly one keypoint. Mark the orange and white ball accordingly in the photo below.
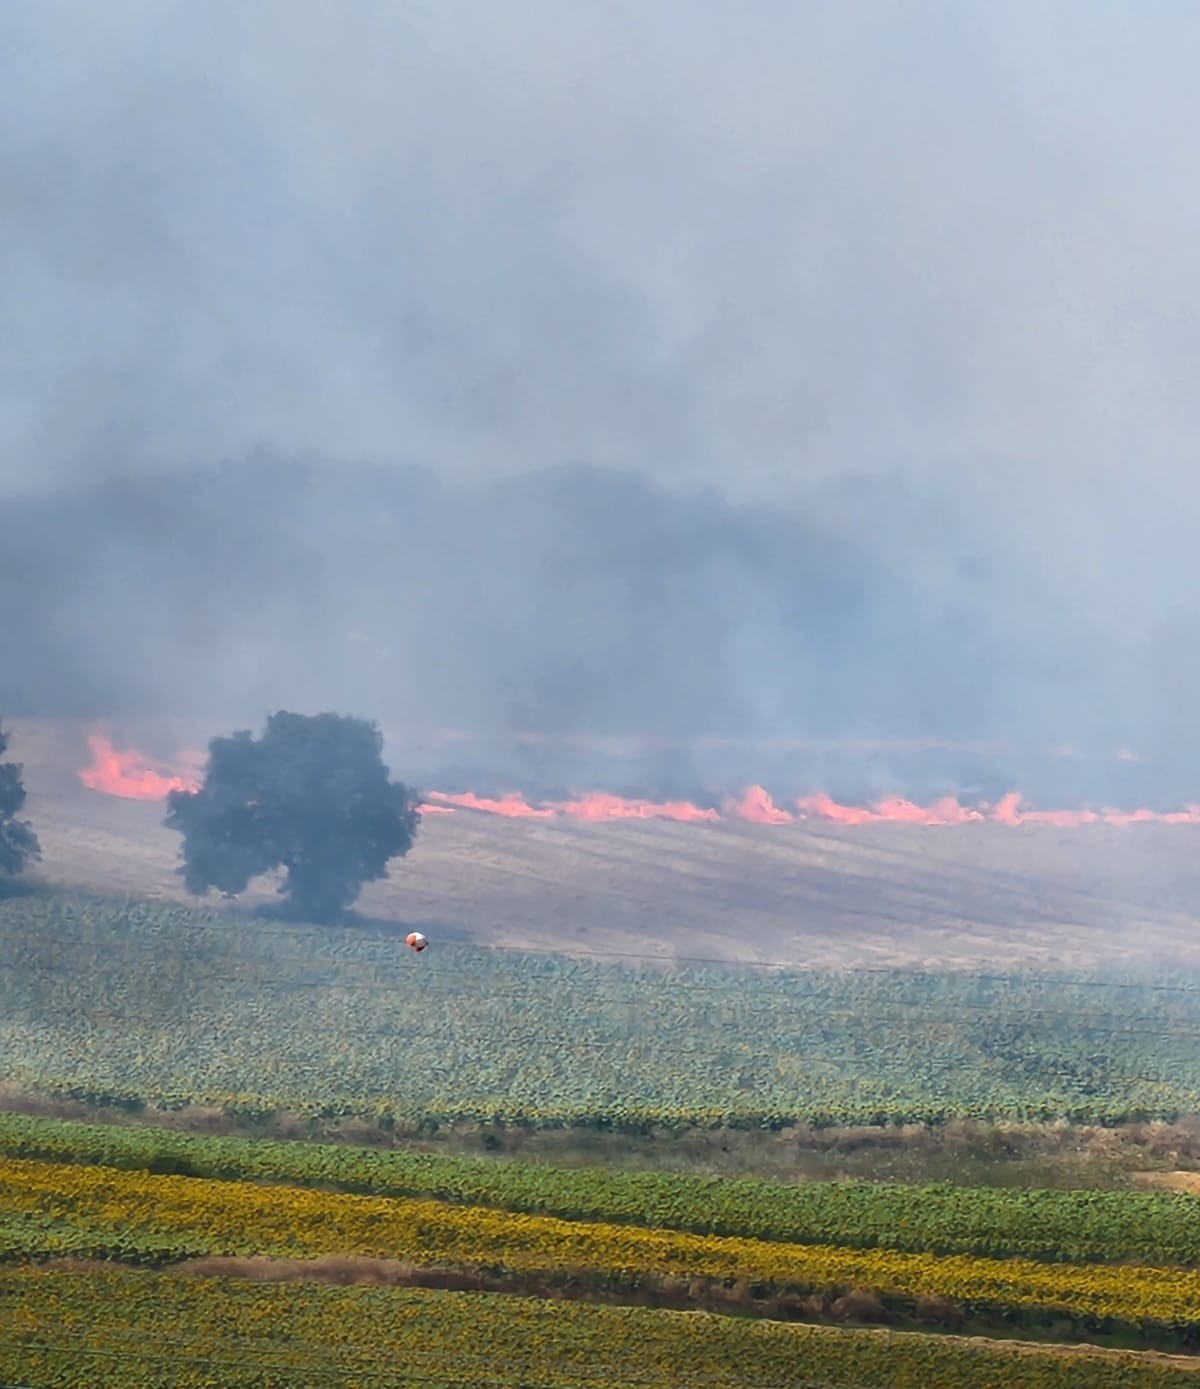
(415, 940)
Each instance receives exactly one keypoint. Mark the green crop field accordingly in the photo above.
(133, 1004)
(124, 1000)
(1072, 1226)
(97, 1211)
(54, 1210)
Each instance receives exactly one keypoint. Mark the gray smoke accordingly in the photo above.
(812, 372)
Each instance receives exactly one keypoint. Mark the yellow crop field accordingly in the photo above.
(135, 1215)
(129, 1329)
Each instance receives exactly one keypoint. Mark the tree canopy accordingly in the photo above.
(312, 796)
(18, 844)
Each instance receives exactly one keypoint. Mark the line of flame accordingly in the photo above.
(133, 776)
(129, 774)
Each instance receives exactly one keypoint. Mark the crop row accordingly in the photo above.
(137, 1216)
(136, 1001)
(135, 1330)
(1071, 1226)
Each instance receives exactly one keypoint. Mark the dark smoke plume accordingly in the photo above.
(875, 326)
(579, 601)
(576, 605)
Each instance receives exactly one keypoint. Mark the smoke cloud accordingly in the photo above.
(817, 379)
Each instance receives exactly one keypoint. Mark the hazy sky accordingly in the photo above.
(739, 244)
(767, 250)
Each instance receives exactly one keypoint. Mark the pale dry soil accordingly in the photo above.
(940, 897)
(1188, 1182)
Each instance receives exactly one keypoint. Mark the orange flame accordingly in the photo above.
(600, 805)
(1006, 811)
(513, 806)
(823, 807)
(755, 804)
(130, 775)
(946, 811)
(893, 810)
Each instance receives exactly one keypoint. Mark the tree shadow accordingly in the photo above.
(360, 921)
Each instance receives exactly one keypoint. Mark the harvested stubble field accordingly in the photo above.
(809, 893)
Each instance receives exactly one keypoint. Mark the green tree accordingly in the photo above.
(18, 844)
(312, 795)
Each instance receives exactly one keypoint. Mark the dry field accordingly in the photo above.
(967, 896)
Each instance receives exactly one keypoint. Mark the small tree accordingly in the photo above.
(18, 844)
(311, 795)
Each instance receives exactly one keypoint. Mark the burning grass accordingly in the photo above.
(127, 773)
(814, 891)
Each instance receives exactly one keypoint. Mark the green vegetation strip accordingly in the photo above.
(101, 1328)
(144, 1002)
(1157, 1228)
